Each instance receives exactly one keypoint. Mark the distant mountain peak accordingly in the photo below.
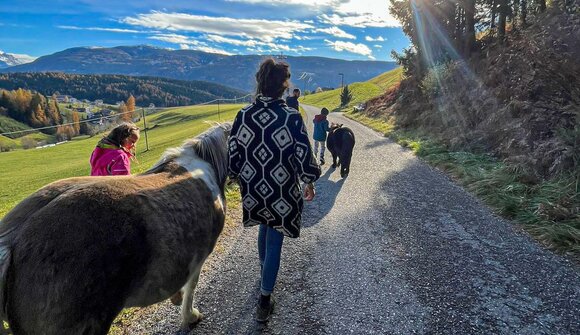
(9, 59)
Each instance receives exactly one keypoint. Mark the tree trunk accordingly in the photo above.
(524, 12)
(503, 10)
(542, 5)
(469, 26)
(516, 12)
(458, 18)
(493, 13)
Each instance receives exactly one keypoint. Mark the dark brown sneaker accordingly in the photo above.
(263, 314)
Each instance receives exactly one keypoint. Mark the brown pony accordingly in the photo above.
(79, 250)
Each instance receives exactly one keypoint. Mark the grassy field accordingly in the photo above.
(361, 91)
(24, 171)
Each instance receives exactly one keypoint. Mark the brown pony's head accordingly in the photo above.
(335, 126)
(211, 146)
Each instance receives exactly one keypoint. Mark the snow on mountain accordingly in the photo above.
(8, 59)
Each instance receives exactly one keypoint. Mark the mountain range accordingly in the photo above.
(232, 70)
(7, 59)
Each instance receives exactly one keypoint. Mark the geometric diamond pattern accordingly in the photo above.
(249, 202)
(282, 137)
(247, 172)
(263, 154)
(282, 207)
(264, 189)
(264, 117)
(301, 151)
(296, 193)
(233, 146)
(245, 135)
(265, 213)
(280, 174)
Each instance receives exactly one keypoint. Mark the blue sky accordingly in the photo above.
(346, 29)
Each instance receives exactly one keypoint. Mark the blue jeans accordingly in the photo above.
(269, 250)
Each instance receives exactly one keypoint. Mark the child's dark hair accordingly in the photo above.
(296, 90)
(272, 78)
(324, 111)
(121, 132)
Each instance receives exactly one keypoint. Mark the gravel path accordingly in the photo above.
(396, 248)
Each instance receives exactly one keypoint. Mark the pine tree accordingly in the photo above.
(123, 113)
(131, 103)
(76, 123)
(38, 117)
(130, 108)
(345, 96)
(54, 113)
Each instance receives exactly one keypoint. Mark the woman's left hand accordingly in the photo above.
(309, 192)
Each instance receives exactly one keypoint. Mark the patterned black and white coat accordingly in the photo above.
(269, 152)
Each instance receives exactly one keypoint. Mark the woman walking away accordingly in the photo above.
(270, 153)
(113, 153)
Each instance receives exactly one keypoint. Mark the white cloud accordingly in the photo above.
(378, 46)
(303, 48)
(248, 43)
(205, 49)
(367, 13)
(356, 13)
(360, 20)
(314, 4)
(336, 32)
(265, 30)
(377, 39)
(113, 30)
(359, 48)
(232, 41)
(176, 39)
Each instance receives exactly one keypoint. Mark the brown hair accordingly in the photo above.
(272, 78)
(121, 132)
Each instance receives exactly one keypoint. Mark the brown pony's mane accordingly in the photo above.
(210, 146)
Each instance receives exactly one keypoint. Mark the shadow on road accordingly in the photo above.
(326, 192)
(378, 143)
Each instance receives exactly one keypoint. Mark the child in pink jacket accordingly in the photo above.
(112, 156)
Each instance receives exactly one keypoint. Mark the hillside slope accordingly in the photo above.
(112, 88)
(361, 91)
(236, 71)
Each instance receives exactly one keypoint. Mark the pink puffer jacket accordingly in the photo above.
(110, 161)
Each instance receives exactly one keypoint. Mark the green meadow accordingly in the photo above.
(24, 171)
(361, 91)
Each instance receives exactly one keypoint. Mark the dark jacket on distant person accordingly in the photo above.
(292, 101)
(321, 127)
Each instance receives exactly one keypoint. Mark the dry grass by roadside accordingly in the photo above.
(548, 209)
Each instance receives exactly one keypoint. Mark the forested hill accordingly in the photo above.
(236, 71)
(112, 88)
